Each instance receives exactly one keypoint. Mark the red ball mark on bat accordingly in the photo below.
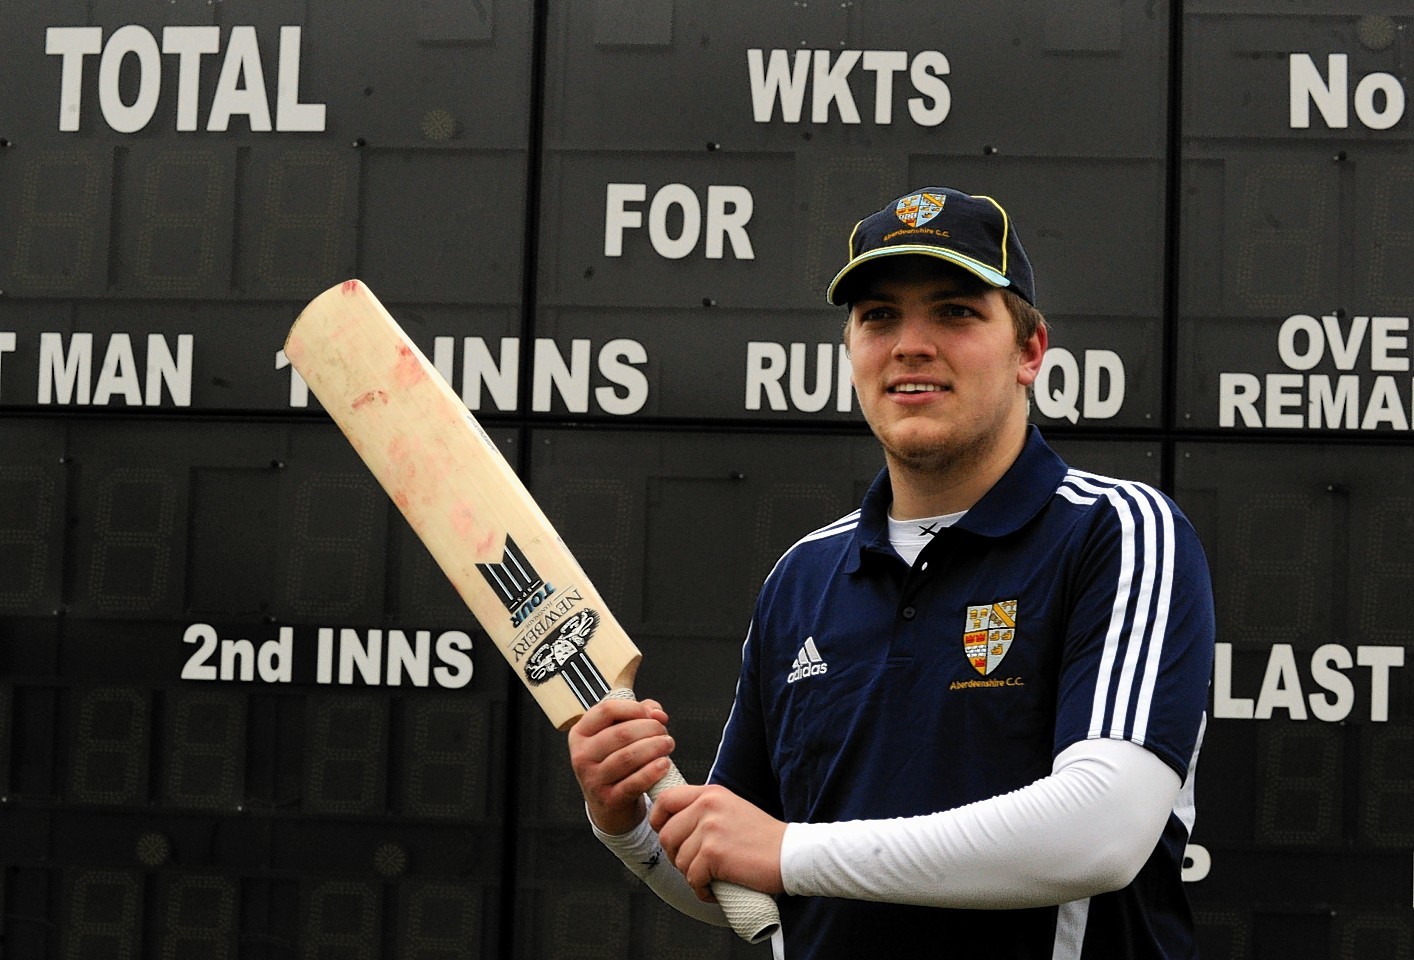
(372, 396)
(401, 455)
(463, 520)
(409, 369)
(487, 542)
(349, 286)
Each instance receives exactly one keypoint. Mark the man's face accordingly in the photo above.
(937, 369)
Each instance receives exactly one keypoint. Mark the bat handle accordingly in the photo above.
(751, 913)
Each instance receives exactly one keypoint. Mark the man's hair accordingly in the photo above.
(1024, 317)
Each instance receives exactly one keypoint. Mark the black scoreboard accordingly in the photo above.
(242, 715)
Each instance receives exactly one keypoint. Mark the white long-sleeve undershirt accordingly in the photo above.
(641, 852)
(1084, 829)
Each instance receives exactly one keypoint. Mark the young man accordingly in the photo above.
(983, 691)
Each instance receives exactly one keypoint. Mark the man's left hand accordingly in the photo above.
(712, 834)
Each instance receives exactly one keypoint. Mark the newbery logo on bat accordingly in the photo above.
(562, 635)
(562, 655)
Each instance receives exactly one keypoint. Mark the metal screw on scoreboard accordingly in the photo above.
(153, 849)
(390, 860)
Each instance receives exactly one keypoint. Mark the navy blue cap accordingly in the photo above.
(972, 232)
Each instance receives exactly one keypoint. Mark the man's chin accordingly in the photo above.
(921, 450)
(934, 446)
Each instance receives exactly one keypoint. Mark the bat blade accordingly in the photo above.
(479, 522)
(463, 501)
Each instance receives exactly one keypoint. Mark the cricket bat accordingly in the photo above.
(479, 522)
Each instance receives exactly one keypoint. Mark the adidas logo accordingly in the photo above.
(807, 663)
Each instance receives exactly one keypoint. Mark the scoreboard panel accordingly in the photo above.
(1310, 590)
(1297, 188)
(230, 683)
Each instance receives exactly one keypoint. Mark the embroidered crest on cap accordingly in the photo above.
(918, 208)
(988, 634)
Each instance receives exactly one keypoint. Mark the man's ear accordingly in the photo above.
(1033, 351)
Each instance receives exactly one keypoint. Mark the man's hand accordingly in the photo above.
(712, 834)
(619, 749)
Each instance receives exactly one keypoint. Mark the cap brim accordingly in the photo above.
(975, 267)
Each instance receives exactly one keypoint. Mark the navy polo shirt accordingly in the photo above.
(1061, 607)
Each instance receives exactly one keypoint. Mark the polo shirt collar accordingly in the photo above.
(1026, 487)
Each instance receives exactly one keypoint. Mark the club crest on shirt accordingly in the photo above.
(917, 209)
(988, 634)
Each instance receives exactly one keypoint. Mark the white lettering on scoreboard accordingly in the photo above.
(1197, 863)
(343, 656)
(1063, 391)
(1378, 97)
(496, 375)
(67, 363)
(787, 377)
(718, 223)
(241, 88)
(1327, 674)
(1345, 400)
(784, 77)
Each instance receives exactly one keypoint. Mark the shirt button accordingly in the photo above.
(909, 613)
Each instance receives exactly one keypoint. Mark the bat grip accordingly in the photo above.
(751, 913)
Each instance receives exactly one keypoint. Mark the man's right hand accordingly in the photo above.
(619, 749)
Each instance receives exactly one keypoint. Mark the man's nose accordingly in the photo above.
(914, 338)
